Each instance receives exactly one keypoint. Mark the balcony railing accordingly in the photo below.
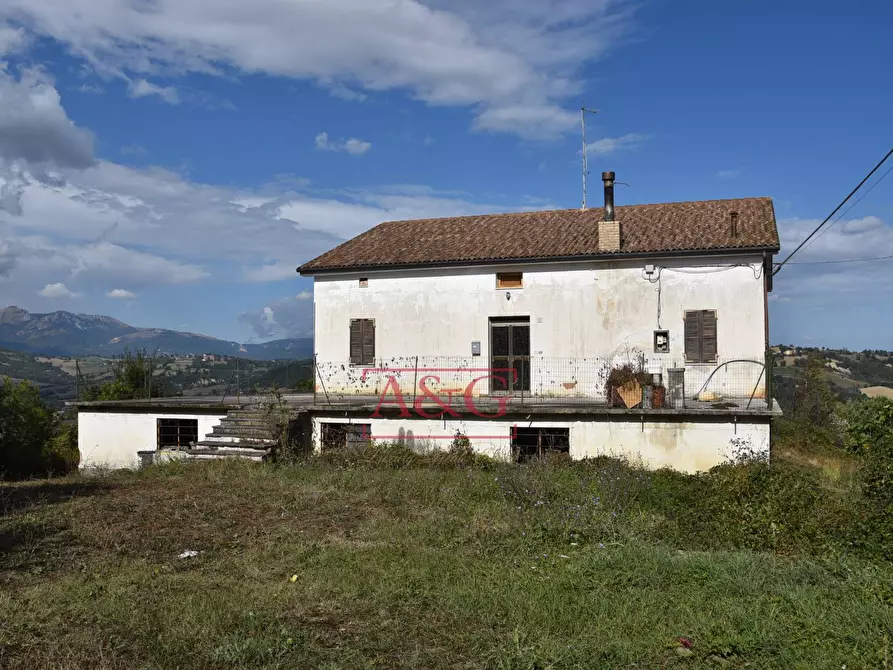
(618, 382)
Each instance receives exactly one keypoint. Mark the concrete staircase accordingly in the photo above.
(242, 433)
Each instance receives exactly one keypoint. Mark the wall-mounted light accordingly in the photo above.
(508, 296)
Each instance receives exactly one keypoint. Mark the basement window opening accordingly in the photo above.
(341, 436)
(177, 432)
(509, 280)
(530, 443)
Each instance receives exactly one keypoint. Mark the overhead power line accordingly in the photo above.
(848, 260)
(836, 209)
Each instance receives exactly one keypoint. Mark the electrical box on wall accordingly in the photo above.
(476, 348)
(661, 341)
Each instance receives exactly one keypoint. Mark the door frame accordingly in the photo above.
(506, 321)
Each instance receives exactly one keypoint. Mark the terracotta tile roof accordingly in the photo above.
(558, 234)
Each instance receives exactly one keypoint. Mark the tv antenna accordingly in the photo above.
(583, 112)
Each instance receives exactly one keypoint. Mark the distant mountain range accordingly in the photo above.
(66, 334)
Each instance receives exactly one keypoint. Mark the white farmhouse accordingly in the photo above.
(640, 332)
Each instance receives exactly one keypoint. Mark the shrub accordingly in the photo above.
(61, 454)
(26, 427)
(869, 435)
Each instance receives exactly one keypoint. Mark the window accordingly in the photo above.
(176, 432)
(509, 280)
(530, 443)
(362, 341)
(341, 436)
(700, 336)
(364, 282)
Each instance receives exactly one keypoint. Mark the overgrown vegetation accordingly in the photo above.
(392, 556)
(396, 559)
(33, 440)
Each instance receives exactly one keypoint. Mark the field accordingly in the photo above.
(340, 565)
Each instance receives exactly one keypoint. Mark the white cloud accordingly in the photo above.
(515, 63)
(271, 272)
(57, 290)
(121, 294)
(12, 40)
(34, 128)
(815, 276)
(353, 146)
(304, 295)
(141, 88)
(729, 174)
(610, 145)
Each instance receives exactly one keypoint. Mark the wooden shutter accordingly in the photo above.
(362, 341)
(368, 342)
(700, 336)
(693, 337)
(356, 341)
(708, 336)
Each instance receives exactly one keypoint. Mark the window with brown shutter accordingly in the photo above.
(362, 341)
(509, 280)
(700, 336)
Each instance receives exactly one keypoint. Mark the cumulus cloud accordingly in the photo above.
(286, 317)
(515, 63)
(121, 294)
(353, 146)
(611, 145)
(35, 129)
(57, 290)
(141, 88)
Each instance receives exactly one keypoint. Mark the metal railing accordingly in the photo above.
(631, 382)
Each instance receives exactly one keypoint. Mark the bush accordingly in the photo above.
(61, 454)
(869, 435)
(26, 427)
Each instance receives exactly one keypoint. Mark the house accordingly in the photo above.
(639, 331)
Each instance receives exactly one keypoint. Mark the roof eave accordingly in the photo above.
(688, 253)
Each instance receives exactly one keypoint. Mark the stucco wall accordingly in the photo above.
(585, 310)
(683, 445)
(112, 439)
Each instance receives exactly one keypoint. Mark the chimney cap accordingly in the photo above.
(607, 176)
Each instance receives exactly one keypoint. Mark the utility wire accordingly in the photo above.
(847, 210)
(836, 209)
(848, 260)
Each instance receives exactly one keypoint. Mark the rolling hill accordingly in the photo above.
(66, 334)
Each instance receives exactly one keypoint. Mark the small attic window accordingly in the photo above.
(364, 282)
(509, 280)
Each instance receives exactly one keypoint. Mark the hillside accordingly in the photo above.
(57, 377)
(66, 334)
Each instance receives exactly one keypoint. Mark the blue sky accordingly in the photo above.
(170, 163)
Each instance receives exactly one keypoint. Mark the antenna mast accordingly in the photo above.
(583, 112)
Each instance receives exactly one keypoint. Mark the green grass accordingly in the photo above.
(337, 566)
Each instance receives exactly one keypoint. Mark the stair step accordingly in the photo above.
(242, 432)
(246, 442)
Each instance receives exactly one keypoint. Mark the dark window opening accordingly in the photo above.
(364, 282)
(340, 436)
(700, 336)
(528, 443)
(362, 341)
(177, 432)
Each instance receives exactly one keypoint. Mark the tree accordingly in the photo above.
(27, 427)
(133, 378)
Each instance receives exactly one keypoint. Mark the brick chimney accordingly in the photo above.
(609, 229)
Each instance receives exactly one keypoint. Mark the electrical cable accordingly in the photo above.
(836, 209)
